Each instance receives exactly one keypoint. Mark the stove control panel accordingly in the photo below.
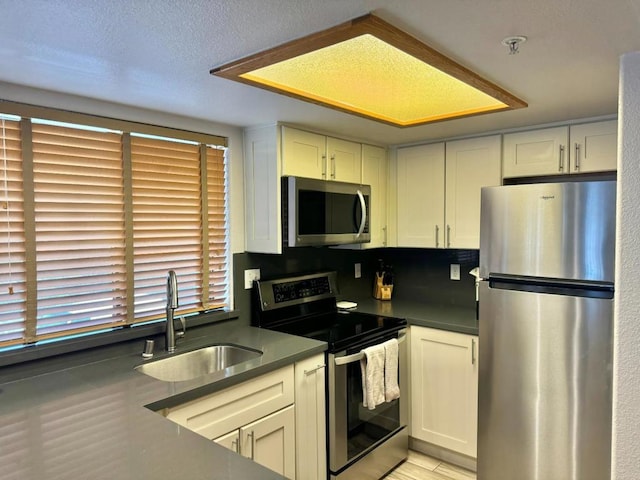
(284, 292)
(296, 290)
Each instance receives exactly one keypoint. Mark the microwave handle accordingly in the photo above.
(363, 206)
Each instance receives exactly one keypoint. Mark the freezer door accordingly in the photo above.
(545, 386)
(553, 230)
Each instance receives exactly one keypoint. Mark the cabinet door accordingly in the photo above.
(311, 431)
(444, 389)
(263, 229)
(303, 154)
(230, 440)
(270, 441)
(344, 160)
(226, 410)
(470, 165)
(374, 173)
(595, 147)
(420, 191)
(538, 152)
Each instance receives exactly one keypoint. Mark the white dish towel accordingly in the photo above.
(372, 367)
(391, 387)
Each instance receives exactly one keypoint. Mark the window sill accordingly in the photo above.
(40, 351)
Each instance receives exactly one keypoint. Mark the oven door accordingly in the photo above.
(355, 430)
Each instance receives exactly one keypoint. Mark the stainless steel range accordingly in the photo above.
(363, 444)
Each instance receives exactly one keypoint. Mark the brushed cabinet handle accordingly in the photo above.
(561, 161)
(384, 241)
(253, 444)
(473, 351)
(448, 236)
(577, 162)
(234, 446)
(309, 372)
(324, 166)
(437, 236)
(333, 166)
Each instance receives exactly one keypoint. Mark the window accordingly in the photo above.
(95, 217)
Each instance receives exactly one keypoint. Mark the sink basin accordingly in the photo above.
(190, 365)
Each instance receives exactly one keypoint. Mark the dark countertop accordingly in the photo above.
(443, 317)
(87, 419)
(83, 415)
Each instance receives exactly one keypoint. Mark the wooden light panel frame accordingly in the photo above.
(380, 29)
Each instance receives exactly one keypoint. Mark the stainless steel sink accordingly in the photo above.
(190, 365)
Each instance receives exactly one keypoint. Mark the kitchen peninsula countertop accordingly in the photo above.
(443, 317)
(89, 420)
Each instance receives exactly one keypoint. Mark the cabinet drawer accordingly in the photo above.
(221, 412)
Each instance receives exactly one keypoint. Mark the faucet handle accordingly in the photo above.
(183, 322)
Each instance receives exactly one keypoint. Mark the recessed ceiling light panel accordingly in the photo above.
(372, 69)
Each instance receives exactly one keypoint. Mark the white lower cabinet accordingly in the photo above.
(259, 419)
(255, 418)
(444, 389)
(231, 441)
(271, 442)
(311, 429)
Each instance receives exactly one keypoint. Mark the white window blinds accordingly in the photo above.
(79, 229)
(94, 220)
(218, 267)
(13, 295)
(166, 223)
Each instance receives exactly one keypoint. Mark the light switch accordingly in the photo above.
(455, 271)
(250, 276)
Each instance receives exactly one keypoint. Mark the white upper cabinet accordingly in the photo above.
(304, 154)
(581, 148)
(438, 191)
(263, 223)
(344, 160)
(537, 152)
(307, 154)
(420, 190)
(470, 165)
(374, 173)
(594, 147)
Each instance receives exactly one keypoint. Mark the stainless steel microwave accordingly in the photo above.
(320, 212)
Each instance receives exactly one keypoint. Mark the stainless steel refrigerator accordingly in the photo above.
(546, 321)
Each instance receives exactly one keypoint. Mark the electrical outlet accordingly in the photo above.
(455, 271)
(250, 276)
(357, 270)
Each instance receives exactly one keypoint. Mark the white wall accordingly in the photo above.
(626, 370)
(19, 93)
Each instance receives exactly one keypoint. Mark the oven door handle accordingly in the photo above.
(359, 356)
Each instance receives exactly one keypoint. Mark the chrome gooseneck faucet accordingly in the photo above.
(172, 304)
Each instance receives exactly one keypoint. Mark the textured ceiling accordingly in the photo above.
(157, 54)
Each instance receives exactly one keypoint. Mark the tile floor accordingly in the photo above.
(422, 467)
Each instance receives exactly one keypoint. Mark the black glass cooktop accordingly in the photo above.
(342, 330)
(305, 305)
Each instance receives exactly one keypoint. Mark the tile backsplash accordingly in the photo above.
(420, 274)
